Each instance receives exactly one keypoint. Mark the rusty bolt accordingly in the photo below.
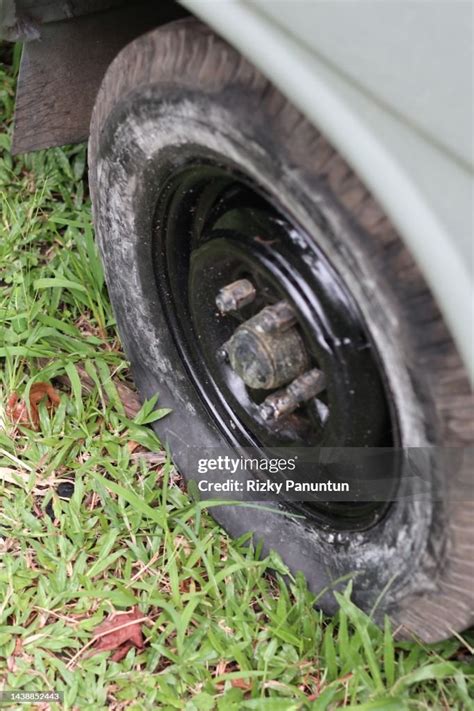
(236, 295)
(277, 318)
(285, 401)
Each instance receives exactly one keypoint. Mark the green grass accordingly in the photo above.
(220, 631)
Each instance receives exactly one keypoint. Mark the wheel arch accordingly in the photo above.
(424, 190)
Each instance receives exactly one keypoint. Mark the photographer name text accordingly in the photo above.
(267, 486)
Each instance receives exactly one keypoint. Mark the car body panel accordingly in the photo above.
(432, 39)
(414, 165)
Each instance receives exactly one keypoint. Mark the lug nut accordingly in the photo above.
(235, 296)
(285, 401)
(278, 317)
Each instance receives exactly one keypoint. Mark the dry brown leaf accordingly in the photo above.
(18, 649)
(120, 632)
(127, 394)
(40, 390)
(17, 410)
(121, 652)
(186, 585)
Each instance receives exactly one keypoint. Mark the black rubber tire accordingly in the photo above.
(182, 83)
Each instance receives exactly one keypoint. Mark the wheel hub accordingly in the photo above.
(267, 351)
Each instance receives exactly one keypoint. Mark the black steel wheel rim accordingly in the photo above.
(213, 225)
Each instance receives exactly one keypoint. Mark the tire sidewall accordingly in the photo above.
(136, 139)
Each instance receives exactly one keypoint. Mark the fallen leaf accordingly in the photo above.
(17, 410)
(120, 632)
(127, 395)
(39, 390)
(121, 652)
(186, 585)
